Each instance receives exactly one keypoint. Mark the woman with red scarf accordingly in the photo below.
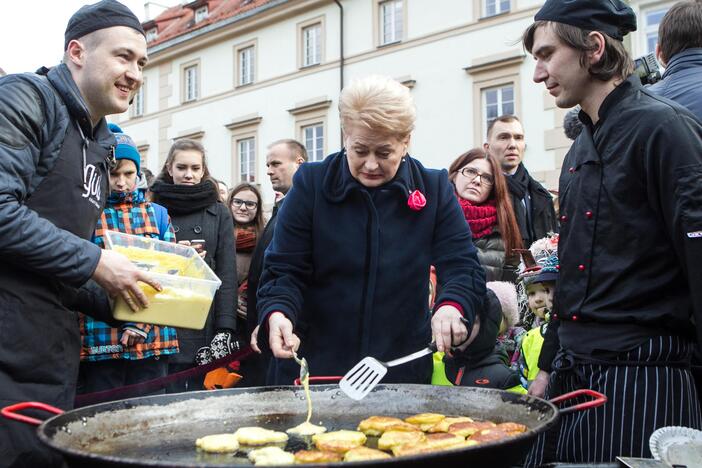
(482, 193)
(244, 202)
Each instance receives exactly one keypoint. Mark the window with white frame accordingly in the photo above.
(312, 45)
(151, 34)
(496, 7)
(652, 19)
(391, 19)
(246, 65)
(246, 149)
(313, 136)
(201, 14)
(497, 101)
(138, 102)
(190, 90)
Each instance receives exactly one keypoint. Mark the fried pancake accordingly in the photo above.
(466, 429)
(444, 439)
(365, 453)
(316, 456)
(339, 441)
(218, 443)
(430, 446)
(425, 421)
(259, 436)
(489, 435)
(391, 439)
(376, 425)
(271, 456)
(512, 428)
(444, 424)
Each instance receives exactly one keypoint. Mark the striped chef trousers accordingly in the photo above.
(643, 394)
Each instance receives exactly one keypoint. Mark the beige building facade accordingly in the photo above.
(275, 70)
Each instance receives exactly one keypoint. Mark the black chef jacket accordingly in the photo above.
(631, 225)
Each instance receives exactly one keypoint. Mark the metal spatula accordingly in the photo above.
(364, 376)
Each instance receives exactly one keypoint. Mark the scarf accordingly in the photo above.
(184, 199)
(482, 219)
(245, 238)
(518, 183)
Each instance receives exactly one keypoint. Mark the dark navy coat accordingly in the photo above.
(681, 81)
(349, 266)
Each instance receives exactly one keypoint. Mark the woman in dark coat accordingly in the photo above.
(187, 190)
(482, 192)
(347, 271)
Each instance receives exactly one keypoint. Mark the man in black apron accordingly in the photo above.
(55, 150)
(631, 239)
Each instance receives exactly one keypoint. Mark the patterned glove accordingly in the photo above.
(203, 356)
(223, 344)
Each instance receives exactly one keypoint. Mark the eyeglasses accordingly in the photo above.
(250, 205)
(471, 174)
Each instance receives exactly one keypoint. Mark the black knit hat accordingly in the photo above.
(612, 17)
(101, 15)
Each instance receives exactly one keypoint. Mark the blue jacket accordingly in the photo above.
(350, 265)
(681, 81)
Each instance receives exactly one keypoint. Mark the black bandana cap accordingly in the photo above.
(101, 15)
(612, 17)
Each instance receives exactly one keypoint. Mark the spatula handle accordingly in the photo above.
(411, 357)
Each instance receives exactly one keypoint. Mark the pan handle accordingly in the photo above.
(598, 400)
(321, 379)
(10, 411)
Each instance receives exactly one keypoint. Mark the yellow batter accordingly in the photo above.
(156, 261)
(173, 305)
(307, 428)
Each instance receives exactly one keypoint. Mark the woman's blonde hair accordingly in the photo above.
(378, 103)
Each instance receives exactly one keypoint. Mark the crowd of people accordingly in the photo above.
(368, 252)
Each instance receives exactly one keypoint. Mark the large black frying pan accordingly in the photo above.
(161, 430)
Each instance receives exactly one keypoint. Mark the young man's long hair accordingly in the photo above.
(615, 62)
(506, 220)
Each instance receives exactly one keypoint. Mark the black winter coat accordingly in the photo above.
(53, 184)
(349, 266)
(214, 224)
(541, 220)
(491, 254)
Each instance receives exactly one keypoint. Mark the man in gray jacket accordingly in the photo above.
(679, 50)
(55, 153)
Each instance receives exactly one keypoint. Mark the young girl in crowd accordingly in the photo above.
(482, 193)
(135, 352)
(245, 204)
(539, 279)
(191, 196)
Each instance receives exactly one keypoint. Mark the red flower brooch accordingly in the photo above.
(416, 200)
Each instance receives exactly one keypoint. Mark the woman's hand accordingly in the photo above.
(539, 384)
(281, 339)
(254, 340)
(448, 329)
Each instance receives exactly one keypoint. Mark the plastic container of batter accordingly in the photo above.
(189, 284)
